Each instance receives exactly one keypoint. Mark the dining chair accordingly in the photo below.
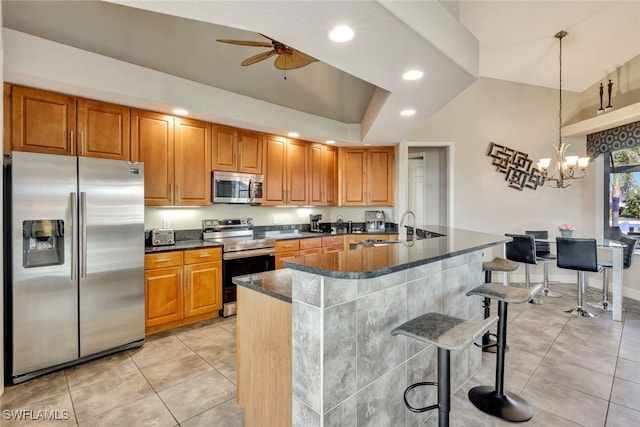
(522, 248)
(545, 257)
(627, 258)
(580, 254)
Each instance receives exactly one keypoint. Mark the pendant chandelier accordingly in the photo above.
(566, 167)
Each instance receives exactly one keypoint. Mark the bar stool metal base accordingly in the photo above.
(508, 406)
(602, 305)
(579, 311)
(549, 293)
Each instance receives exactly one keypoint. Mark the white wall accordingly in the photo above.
(1, 236)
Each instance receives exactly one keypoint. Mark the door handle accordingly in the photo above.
(74, 246)
(83, 233)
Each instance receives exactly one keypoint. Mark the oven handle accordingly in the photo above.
(249, 253)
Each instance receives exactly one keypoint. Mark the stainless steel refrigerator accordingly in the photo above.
(74, 274)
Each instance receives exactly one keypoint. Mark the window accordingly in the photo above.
(622, 191)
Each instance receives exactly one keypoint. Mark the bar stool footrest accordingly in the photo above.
(508, 406)
(425, 408)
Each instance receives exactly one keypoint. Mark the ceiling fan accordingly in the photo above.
(288, 57)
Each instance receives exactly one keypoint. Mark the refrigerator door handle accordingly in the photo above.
(83, 233)
(74, 249)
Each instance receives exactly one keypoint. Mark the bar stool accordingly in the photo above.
(578, 254)
(489, 341)
(627, 259)
(543, 252)
(497, 401)
(522, 248)
(447, 333)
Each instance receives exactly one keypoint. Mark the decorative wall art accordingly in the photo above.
(517, 167)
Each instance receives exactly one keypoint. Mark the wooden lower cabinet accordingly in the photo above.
(264, 359)
(286, 249)
(182, 287)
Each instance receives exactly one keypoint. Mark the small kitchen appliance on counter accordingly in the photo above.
(241, 254)
(162, 237)
(374, 221)
(315, 223)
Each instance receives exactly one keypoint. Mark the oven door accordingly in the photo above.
(234, 264)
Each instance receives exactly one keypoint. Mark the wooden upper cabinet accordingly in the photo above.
(250, 146)
(367, 176)
(286, 166)
(323, 175)
(236, 150)
(152, 142)
(42, 121)
(53, 123)
(192, 163)
(103, 130)
(6, 119)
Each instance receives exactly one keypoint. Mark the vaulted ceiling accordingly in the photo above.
(358, 82)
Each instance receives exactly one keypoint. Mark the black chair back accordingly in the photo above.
(628, 250)
(577, 253)
(542, 248)
(521, 249)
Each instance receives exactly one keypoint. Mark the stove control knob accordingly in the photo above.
(249, 221)
(214, 223)
(243, 221)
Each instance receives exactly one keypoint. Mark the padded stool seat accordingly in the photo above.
(497, 401)
(447, 333)
(489, 341)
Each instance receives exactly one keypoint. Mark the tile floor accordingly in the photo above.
(573, 371)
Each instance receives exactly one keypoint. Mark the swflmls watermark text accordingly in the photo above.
(35, 415)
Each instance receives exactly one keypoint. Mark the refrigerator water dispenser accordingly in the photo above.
(43, 242)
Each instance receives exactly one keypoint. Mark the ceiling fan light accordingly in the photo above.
(413, 75)
(341, 34)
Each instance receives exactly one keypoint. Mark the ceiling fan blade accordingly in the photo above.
(303, 55)
(291, 61)
(245, 42)
(257, 58)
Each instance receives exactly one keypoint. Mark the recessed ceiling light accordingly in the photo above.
(407, 112)
(331, 141)
(180, 111)
(412, 75)
(293, 134)
(341, 34)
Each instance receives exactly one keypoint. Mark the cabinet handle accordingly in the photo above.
(188, 278)
(171, 193)
(177, 193)
(162, 260)
(206, 255)
(82, 143)
(181, 284)
(73, 151)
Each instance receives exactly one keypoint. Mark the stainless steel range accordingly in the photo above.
(241, 254)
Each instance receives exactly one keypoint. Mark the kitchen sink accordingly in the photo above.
(380, 242)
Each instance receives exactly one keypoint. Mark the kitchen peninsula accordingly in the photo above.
(314, 340)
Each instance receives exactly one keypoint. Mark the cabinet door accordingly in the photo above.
(224, 145)
(250, 149)
(203, 288)
(316, 184)
(285, 255)
(192, 185)
(380, 174)
(274, 170)
(353, 183)
(6, 119)
(297, 169)
(330, 176)
(152, 142)
(163, 295)
(42, 122)
(103, 130)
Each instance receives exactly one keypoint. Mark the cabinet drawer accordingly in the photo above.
(195, 256)
(164, 259)
(332, 241)
(315, 242)
(288, 245)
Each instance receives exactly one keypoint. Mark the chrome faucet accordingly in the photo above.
(404, 217)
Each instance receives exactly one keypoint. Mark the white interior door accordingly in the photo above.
(416, 202)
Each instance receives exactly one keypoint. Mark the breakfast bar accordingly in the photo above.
(314, 340)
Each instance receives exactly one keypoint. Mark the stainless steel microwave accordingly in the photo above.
(233, 187)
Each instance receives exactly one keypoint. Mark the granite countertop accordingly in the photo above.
(276, 283)
(380, 260)
(182, 245)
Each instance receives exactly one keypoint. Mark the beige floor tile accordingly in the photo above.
(227, 414)
(621, 416)
(628, 370)
(219, 354)
(98, 398)
(585, 357)
(160, 349)
(148, 411)
(33, 390)
(578, 378)
(99, 370)
(162, 375)
(199, 394)
(626, 393)
(54, 411)
(565, 402)
(206, 336)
